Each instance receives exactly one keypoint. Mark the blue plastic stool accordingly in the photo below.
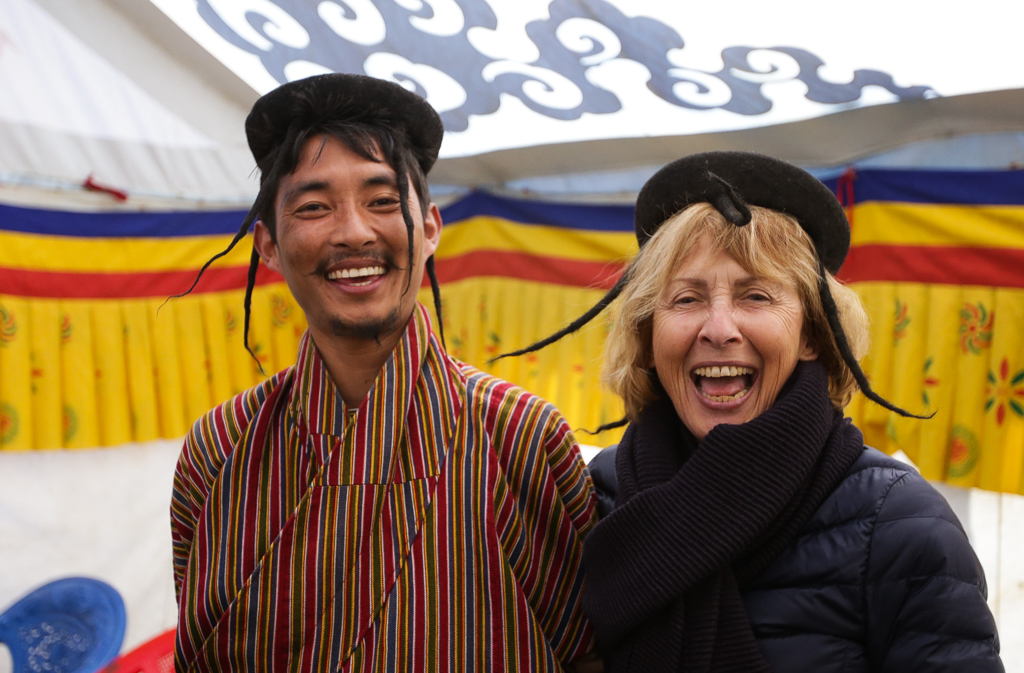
(72, 625)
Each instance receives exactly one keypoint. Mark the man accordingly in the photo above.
(379, 505)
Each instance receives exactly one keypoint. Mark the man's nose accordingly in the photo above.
(720, 328)
(352, 228)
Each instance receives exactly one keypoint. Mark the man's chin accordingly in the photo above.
(372, 329)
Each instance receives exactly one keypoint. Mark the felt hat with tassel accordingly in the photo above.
(731, 182)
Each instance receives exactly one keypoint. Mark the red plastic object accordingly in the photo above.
(93, 186)
(153, 656)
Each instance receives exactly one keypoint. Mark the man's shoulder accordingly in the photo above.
(219, 429)
(502, 401)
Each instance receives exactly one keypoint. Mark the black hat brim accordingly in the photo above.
(758, 180)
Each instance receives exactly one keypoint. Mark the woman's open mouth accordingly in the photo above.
(360, 277)
(725, 383)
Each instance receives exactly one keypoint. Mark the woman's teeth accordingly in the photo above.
(723, 383)
(725, 398)
(716, 372)
(357, 273)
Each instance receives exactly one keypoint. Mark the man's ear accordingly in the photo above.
(431, 230)
(265, 246)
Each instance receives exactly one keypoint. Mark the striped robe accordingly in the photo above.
(438, 527)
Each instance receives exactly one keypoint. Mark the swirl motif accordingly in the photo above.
(963, 451)
(359, 21)
(67, 329)
(279, 27)
(8, 326)
(976, 323)
(424, 45)
(280, 311)
(446, 16)
(1004, 392)
(597, 42)
(441, 91)
(8, 423)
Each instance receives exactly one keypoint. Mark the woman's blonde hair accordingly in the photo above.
(772, 246)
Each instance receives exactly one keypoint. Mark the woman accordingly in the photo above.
(752, 530)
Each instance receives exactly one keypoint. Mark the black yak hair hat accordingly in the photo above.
(380, 116)
(731, 182)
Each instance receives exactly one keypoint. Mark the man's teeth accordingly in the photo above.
(356, 273)
(716, 372)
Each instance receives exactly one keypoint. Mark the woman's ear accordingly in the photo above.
(807, 352)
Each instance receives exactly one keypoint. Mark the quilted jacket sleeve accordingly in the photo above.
(925, 592)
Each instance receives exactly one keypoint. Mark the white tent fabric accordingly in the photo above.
(977, 151)
(67, 113)
(150, 97)
(543, 88)
(102, 513)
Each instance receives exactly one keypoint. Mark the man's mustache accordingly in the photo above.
(382, 257)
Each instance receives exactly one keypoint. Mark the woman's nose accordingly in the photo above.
(720, 328)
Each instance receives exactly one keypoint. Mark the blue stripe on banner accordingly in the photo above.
(978, 188)
(570, 216)
(908, 186)
(203, 223)
(120, 225)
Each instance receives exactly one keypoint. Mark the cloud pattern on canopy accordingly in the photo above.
(429, 47)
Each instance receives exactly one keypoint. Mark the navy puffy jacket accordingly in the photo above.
(881, 579)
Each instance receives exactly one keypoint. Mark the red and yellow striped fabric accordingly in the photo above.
(438, 527)
(938, 258)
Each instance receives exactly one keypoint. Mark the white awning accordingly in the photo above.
(536, 87)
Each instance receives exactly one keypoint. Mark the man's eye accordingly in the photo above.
(384, 201)
(310, 207)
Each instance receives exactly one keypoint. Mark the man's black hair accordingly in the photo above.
(375, 142)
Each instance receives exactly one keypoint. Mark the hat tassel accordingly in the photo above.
(832, 312)
(576, 324)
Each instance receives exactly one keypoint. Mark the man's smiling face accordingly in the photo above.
(342, 245)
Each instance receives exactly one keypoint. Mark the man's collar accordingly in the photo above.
(317, 404)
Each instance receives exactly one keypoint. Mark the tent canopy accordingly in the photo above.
(543, 87)
(150, 96)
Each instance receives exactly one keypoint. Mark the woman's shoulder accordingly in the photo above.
(602, 473)
(877, 490)
(864, 484)
(881, 489)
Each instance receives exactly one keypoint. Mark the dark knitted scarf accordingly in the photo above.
(695, 522)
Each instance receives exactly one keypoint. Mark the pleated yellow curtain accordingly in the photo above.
(80, 373)
(957, 352)
(940, 282)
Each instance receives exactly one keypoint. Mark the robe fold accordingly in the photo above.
(436, 527)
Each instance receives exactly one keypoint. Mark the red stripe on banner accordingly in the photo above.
(524, 266)
(990, 267)
(70, 285)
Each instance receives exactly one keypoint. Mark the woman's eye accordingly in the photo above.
(758, 297)
(686, 300)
